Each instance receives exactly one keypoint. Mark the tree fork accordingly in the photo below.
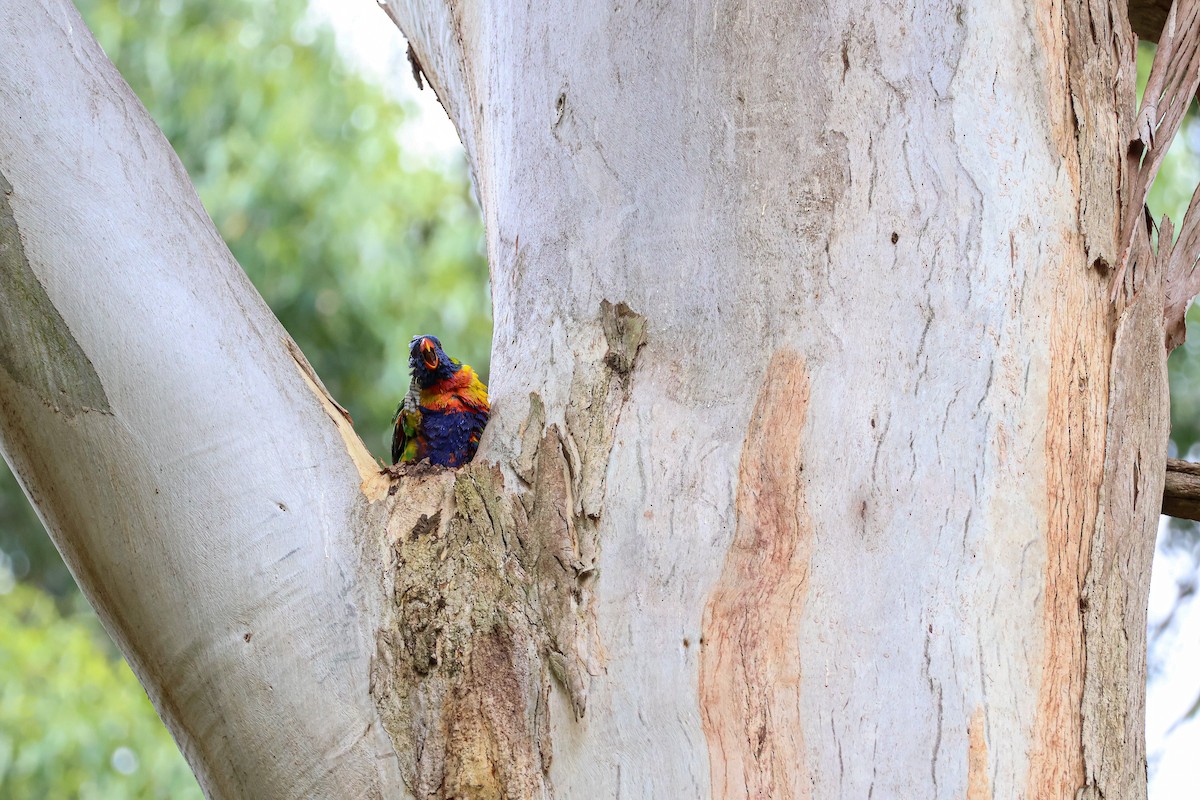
(490, 590)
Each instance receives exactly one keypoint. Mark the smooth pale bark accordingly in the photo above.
(848, 499)
(151, 407)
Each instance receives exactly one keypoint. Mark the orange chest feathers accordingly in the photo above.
(462, 391)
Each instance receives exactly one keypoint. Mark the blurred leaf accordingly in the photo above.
(74, 722)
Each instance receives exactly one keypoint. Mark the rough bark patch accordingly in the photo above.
(598, 393)
(458, 673)
(36, 346)
(552, 555)
(489, 711)
(978, 786)
(1089, 82)
(1076, 417)
(489, 592)
(750, 664)
(1118, 581)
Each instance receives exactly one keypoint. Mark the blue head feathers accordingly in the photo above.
(429, 362)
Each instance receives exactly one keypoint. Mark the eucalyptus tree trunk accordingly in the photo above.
(823, 463)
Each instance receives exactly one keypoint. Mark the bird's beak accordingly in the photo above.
(429, 354)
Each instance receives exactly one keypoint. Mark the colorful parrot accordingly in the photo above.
(442, 416)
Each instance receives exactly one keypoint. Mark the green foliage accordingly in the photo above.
(73, 720)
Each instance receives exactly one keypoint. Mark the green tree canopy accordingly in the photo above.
(73, 720)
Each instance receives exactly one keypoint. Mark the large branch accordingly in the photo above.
(200, 484)
(1181, 494)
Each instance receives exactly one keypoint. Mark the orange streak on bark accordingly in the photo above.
(1076, 425)
(978, 786)
(750, 660)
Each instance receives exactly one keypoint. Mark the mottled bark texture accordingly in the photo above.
(898, 257)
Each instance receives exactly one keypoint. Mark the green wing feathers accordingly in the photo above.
(404, 427)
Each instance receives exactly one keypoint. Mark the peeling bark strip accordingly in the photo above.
(491, 593)
(1174, 78)
(1076, 411)
(1173, 81)
(1182, 280)
(749, 664)
(36, 346)
(1117, 590)
(373, 485)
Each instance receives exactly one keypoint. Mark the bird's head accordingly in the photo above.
(429, 363)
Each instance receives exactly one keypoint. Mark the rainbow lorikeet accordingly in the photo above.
(442, 416)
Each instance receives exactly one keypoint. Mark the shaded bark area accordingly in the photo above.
(36, 347)
(1147, 17)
